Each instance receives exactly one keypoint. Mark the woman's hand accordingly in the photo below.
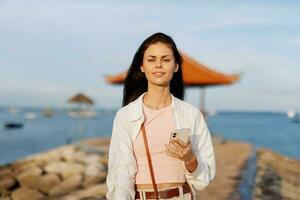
(178, 149)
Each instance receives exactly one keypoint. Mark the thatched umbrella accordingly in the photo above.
(81, 99)
(195, 74)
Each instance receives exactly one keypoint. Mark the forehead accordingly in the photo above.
(158, 49)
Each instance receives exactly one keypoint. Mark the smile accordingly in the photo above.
(158, 74)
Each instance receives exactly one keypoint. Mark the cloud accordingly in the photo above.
(294, 41)
(52, 49)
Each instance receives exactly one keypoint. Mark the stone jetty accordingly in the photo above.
(78, 172)
(278, 177)
(66, 173)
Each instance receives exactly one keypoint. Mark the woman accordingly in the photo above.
(153, 94)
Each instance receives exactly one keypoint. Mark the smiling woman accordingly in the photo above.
(159, 64)
(144, 163)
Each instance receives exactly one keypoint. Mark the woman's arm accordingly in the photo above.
(204, 154)
(192, 164)
(121, 162)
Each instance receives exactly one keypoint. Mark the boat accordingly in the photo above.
(293, 116)
(13, 110)
(211, 113)
(82, 113)
(12, 125)
(48, 112)
(30, 115)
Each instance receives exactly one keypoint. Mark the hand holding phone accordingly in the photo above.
(182, 134)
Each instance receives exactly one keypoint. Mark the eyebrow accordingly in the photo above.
(155, 56)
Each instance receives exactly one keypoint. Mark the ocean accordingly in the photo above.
(262, 129)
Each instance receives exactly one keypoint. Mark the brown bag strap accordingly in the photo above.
(149, 162)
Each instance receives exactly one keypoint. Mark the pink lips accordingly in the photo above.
(158, 74)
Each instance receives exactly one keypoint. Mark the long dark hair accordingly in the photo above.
(136, 82)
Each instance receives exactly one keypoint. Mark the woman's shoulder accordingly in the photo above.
(188, 108)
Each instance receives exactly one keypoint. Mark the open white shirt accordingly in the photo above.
(122, 165)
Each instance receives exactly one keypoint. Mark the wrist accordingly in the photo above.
(191, 160)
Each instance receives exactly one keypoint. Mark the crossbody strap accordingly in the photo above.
(149, 162)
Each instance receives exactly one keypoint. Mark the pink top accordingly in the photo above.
(158, 126)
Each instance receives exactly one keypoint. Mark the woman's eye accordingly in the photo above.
(167, 60)
(150, 60)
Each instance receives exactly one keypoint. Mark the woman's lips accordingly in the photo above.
(158, 74)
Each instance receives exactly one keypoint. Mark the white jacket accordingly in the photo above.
(122, 165)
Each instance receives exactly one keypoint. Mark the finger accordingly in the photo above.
(173, 150)
(173, 155)
(180, 154)
(177, 146)
(179, 151)
(180, 142)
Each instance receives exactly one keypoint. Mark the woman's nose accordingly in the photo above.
(158, 64)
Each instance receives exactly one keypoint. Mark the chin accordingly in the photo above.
(160, 83)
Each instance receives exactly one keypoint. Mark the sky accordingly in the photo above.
(53, 49)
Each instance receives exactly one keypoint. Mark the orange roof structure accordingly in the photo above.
(194, 74)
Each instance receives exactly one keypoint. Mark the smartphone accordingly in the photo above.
(182, 134)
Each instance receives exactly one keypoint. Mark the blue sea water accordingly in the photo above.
(262, 129)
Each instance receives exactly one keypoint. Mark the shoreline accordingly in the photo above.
(77, 171)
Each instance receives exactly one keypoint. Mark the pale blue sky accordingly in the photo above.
(50, 50)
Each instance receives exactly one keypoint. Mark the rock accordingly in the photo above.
(95, 142)
(67, 186)
(77, 156)
(5, 171)
(278, 177)
(47, 182)
(27, 193)
(94, 169)
(6, 183)
(67, 172)
(6, 198)
(43, 159)
(34, 171)
(94, 191)
(92, 180)
(90, 159)
(104, 160)
(42, 183)
(65, 169)
(20, 167)
(67, 153)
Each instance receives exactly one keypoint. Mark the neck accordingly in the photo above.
(157, 97)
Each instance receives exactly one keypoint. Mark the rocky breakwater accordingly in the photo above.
(75, 172)
(278, 177)
(68, 172)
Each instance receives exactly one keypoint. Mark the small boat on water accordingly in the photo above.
(13, 110)
(82, 113)
(13, 125)
(30, 115)
(293, 116)
(48, 112)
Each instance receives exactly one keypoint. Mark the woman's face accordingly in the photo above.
(159, 64)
